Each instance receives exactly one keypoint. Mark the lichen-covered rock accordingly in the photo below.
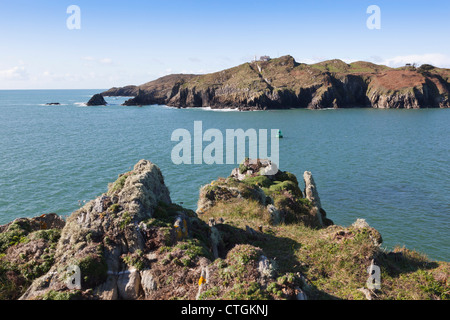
(275, 197)
(27, 249)
(99, 234)
(129, 284)
(312, 195)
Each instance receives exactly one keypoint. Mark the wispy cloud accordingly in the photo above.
(15, 73)
(106, 61)
(436, 59)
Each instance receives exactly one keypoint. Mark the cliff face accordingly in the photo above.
(253, 237)
(284, 83)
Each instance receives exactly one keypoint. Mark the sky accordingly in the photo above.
(132, 42)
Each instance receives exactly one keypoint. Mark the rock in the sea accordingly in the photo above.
(96, 100)
(53, 104)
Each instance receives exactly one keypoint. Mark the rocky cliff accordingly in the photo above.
(284, 83)
(253, 236)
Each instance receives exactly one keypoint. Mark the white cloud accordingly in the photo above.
(106, 61)
(436, 59)
(15, 73)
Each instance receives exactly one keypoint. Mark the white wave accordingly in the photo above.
(80, 104)
(220, 110)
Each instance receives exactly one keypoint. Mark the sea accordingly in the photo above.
(389, 167)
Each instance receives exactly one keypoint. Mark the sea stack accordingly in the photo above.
(96, 100)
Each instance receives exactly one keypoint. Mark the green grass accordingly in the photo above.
(93, 270)
(63, 295)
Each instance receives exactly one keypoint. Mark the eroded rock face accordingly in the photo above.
(284, 83)
(312, 195)
(99, 235)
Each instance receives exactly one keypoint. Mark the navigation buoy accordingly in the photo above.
(279, 134)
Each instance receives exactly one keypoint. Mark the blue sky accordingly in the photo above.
(132, 42)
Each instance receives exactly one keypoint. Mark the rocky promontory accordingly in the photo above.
(252, 236)
(284, 83)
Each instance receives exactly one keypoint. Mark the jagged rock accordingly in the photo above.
(254, 167)
(265, 267)
(312, 195)
(83, 243)
(109, 289)
(129, 284)
(360, 223)
(310, 190)
(148, 282)
(274, 214)
(96, 100)
(237, 174)
(216, 240)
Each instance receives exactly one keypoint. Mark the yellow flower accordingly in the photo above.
(201, 281)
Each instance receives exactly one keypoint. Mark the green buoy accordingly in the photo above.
(279, 134)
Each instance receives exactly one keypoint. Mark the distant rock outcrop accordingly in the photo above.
(96, 100)
(283, 83)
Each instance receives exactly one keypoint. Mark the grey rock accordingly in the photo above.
(128, 284)
(142, 191)
(148, 282)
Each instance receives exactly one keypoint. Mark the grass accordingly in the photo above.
(64, 295)
(239, 210)
(135, 259)
(93, 269)
(18, 271)
(125, 220)
(118, 185)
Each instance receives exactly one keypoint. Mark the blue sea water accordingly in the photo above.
(390, 167)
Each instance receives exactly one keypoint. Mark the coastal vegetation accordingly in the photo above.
(252, 237)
